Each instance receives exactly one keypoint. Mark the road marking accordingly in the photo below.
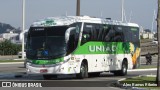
(149, 69)
(121, 79)
(115, 88)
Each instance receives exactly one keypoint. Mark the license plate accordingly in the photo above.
(43, 71)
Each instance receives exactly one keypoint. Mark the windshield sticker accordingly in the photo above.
(49, 23)
(134, 29)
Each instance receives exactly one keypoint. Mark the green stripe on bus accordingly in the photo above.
(47, 62)
(103, 48)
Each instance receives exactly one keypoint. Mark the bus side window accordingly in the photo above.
(99, 32)
(106, 29)
(119, 36)
(127, 34)
(110, 35)
(135, 34)
(87, 34)
(94, 31)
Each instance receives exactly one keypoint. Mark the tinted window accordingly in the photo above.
(46, 42)
(49, 31)
(87, 34)
(119, 36)
(73, 41)
(102, 33)
(109, 33)
(135, 34)
(131, 34)
(127, 34)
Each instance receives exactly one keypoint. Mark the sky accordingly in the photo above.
(137, 11)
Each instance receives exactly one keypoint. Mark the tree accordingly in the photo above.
(8, 48)
(158, 31)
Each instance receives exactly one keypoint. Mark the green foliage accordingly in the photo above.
(8, 48)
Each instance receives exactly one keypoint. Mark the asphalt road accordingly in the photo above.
(12, 68)
(9, 71)
(106, 81)
(9, 68)
(19, 68)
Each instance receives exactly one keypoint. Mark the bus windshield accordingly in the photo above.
(46, 42)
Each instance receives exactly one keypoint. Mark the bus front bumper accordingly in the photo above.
(55, 69)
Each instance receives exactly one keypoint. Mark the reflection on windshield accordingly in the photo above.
(50, 42)
(46, 42)
(46, 47)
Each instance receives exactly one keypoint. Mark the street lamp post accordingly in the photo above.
(122, 10)
(23, 26)
(78, 8)
(158, 32)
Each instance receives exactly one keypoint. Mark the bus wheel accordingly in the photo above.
(48, 77)
(83, 71)
(123, 71)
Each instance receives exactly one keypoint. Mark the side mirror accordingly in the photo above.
(86, 36)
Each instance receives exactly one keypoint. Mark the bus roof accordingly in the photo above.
(67, 20)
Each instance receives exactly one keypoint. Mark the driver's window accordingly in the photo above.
(73, 41)
(87, 34)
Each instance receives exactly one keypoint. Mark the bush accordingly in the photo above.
(8, 48)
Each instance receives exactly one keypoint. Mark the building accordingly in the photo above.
(146, 34)
(9, 36)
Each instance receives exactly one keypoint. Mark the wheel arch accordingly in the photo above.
(85, 62)
(83, 70)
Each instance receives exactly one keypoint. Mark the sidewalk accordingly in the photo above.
(8, 57)
(12, 63)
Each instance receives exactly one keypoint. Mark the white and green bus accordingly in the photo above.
(81, 45)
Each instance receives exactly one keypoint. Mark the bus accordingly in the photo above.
(81, 45)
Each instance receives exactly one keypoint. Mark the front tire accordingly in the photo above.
(83, 71)
(123, 71)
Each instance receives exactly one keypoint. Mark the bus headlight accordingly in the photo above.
(28, 64)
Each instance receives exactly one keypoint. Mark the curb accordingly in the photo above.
(12, 63)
